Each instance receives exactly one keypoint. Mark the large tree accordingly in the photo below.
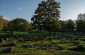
(46, 13)
(18, 24)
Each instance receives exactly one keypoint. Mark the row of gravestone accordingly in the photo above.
(51, 44)
(61, 42)
(37, 38)
(2, 39)
(31, 38)
(79, 48)
(6, 50)
(8, 47)
(44, 46)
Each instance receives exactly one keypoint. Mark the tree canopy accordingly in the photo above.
(18, 24)
(46, 13)
(70, 25)
(80, 25)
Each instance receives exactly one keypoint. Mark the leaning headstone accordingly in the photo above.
(28, 46)
(1, 40)
(5, 38)
(6, 50)
(58, 47)
(77, 48)
(20, 40)
(50, 46)
(44, 47)
(25, 46)
(75, 43)
(54, 43)
(10, 44)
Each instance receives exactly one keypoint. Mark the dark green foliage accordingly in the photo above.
(70, 25)
(3, 23)
(67, 25)
(45, 15)
(18, 24)
(80, 25)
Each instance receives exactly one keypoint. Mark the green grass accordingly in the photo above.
(45, 52)
(19, 50)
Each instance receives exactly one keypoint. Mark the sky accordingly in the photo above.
(12, 9)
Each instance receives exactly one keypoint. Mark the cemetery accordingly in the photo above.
(57, 43)
(42, 27)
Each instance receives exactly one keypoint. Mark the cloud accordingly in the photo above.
(19, 9)
(29, 20)
(7, 18)
(44, 0)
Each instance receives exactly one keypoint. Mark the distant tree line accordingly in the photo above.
(46, 18)
(20, 24)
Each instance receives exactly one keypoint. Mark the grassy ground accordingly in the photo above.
(44, 52)
(62, 42)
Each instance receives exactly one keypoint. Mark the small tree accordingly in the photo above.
(70, 25)
(63, 25)
(3, 23)
(80, 25)
(18, 24)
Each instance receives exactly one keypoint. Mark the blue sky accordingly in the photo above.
(26, 8)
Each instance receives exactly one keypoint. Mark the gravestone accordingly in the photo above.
(10, 44)
(76, 48)
(1, 40)
(6, 50)
(59, 48)
(28, 46)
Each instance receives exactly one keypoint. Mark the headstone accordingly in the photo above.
(59, 47)
(44, 46)
(76, 48)
(10, 44)
(75, 43)
(1, 40)
(28, 46)
(6, 50)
